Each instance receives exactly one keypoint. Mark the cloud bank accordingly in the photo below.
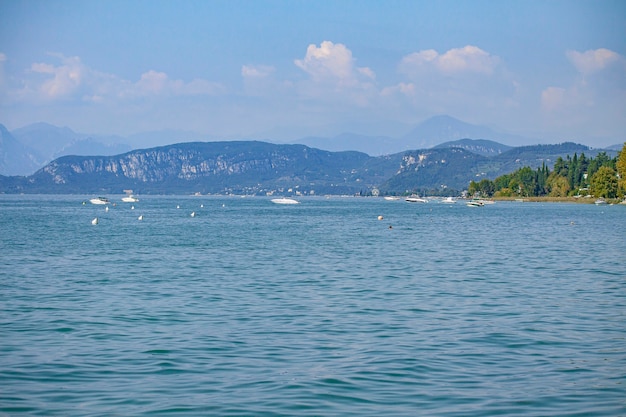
(327, 87)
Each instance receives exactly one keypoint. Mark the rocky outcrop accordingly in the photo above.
(205, 167)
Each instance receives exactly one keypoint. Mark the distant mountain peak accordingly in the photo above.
(445, 128)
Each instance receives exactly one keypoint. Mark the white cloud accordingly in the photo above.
(42, 68)
(467, 60)
(335, 83)
(333, 63)
(553, 98)
(60, 81)
(464, 81)
(152, 83)
(407, 89)
(198, 87)
(592, 60)
(367, 72)
(594, 102)
(256, 71)
(72, 80)
(157, 84)
(601, 83)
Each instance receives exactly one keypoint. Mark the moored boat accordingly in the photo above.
(284, 200)
(99, 200)
(129, 198)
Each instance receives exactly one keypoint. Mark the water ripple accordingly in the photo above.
(254, 309)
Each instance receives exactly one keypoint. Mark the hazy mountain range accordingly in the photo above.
(431, 132)
(42, 158)
(25, 150)
(262, 168)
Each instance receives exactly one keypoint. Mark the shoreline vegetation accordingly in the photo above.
(548, 199)
(578, 179)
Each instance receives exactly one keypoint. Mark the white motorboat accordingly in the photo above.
(99, 200)
(448, 200)
(475, 203)
(415, 199)
(284, 200)
(600, 202)
(391, 198)
(130, 198)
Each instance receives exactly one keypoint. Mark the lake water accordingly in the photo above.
(256, 309)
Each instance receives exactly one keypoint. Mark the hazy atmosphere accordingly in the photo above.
(282, 70)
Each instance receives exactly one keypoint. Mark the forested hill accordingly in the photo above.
(252, 167)
(478, 146)
(454, 167)
(205, 167)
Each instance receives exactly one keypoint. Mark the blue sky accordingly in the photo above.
(282, 70)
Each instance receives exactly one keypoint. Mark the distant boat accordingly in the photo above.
(448, 200)
(284, 200)
(94, 221)
(391, 198)
(475, 203)
(130, 198)
(600, 202)
(416, 199)
(99, 200)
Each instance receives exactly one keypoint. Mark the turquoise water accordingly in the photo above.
(256, 309)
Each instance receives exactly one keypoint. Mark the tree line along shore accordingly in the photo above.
(573, 179)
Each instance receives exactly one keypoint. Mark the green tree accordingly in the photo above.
(487, 187)
(572, 172)
(504, 192)
(601, 160)
(484, 188)
(502, 182)
(473, 188)
(583, 164)
(528, 181)
(558, 185)
(620, 165)
(604, 182)
(560, 167)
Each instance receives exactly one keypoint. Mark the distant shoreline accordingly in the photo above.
(545, 199)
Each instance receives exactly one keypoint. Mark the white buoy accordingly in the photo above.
(193, 214)
(177, 207)
(140, 218)
(94, 221)
(201, 205)
(106, 209)
(132, 207)
(380, 217)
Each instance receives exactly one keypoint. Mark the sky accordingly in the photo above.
(549, 70)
